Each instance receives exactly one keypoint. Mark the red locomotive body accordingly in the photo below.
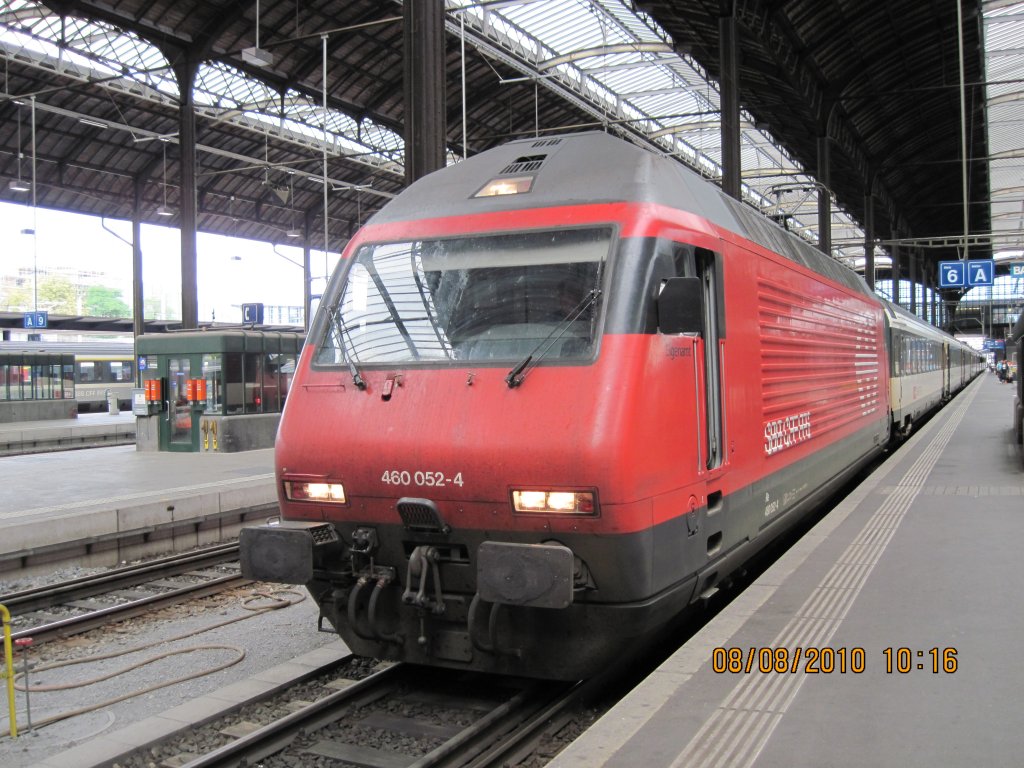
(555, 394)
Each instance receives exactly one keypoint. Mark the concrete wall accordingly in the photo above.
(218, 434)
(240, 433)
(12, 411)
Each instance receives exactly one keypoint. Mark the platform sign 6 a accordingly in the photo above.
(36, 319)
(952, 274)
(980, 271)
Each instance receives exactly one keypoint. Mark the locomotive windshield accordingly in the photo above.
(483, 298)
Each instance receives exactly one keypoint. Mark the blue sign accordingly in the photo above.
(36, 319)
(143, 362)
(980, 272)
(952, 274)
(252, 314)
(1017, 270)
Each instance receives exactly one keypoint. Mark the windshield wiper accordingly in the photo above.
(516, 375)
(349, 353)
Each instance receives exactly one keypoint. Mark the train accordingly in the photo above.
(99, 367)
(558, 393)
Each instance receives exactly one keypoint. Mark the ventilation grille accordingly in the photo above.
(323, 534)
(525, 164)
(421, 515)
(546, 143)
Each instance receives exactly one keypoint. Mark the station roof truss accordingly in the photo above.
(91, 104)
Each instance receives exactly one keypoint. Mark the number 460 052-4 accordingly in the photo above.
(421, 478)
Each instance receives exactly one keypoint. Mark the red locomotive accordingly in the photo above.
(555, 394)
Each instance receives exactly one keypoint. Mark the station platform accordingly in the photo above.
(911, 592)
(90, 499)
(89, 430)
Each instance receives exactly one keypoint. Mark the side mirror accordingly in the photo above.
(681, 306)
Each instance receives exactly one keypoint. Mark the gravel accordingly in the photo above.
(264, 639)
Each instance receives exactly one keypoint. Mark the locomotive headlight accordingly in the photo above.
(325, 493)
(562, 502)
(530, 501)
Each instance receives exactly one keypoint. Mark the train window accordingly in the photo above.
(277, 372)
(39, 382)
(233, 384)
(121, 371)
(214, 374)
(69, 381)
(252, 365)
(56, 388)
(475, 298)
(87, 372)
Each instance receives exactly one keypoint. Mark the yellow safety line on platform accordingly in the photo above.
(9, 670)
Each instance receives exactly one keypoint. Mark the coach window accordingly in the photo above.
(120, 370)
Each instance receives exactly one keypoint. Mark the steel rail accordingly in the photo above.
(47, 596)
(277, 735)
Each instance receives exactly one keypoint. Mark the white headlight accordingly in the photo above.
(564, 502)
(328, 493)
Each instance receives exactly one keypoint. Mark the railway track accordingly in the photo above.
(400, 717)
(81, 604)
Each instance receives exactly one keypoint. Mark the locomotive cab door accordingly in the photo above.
(698, 308)
(709, 271)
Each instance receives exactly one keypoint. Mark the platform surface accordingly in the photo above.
(60, 434)
(925, 554)
(48, 498)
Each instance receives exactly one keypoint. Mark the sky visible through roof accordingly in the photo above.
(89, 251)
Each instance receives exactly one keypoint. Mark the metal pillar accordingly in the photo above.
(869, 240)
(138, 303)
(307, 272)
(824, 197)
(424, 85)
(935, 294)
(187, 212)
(925, 300)
(730, 100)
(896, 269)
(912, 276)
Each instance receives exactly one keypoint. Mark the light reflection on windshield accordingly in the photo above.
(488, 298)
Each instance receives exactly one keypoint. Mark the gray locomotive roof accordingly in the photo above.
(908, 321)
(597, 168)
